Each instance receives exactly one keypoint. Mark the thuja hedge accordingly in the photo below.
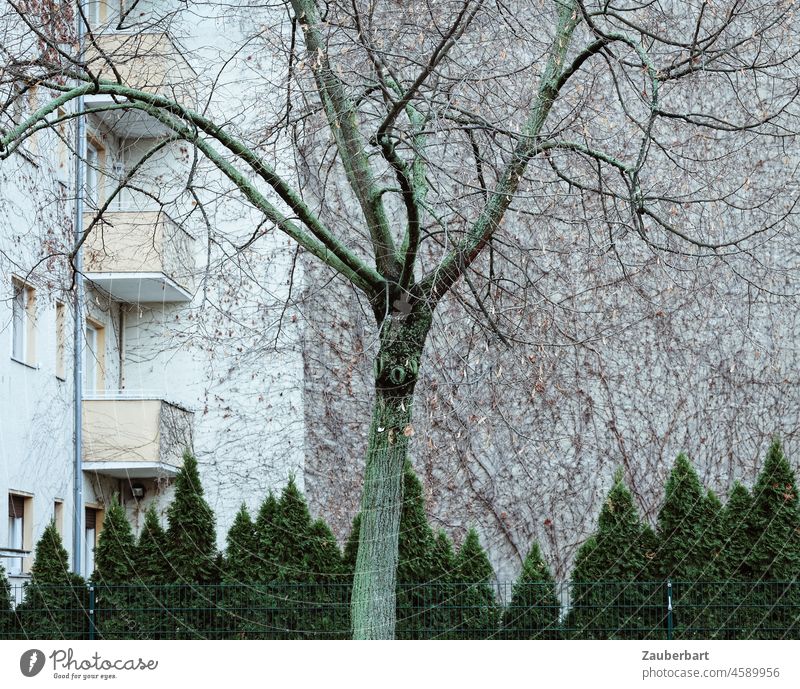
(283, 576)
(734, 570)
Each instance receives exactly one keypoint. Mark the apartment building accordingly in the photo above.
(190, 334)
(177, 344)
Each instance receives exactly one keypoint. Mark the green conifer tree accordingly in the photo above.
(444, 558)
(775, 556)
(55, 605)
(534, 608)
(649, 546)
(324, 557)
(479, 614)
(351, 548)
(115, 554)
(682, 525)
(8, 626)
(683, 555)
(152, 577)
(739, 534)
(266, 537)
(191, 546)
(650, 586)
(415, 566)
(349, 564)
(610, 594)
(711, 589)
(241, 553)
(714, 538)
(51, 561)
(329, 615)
(776, 517)
(151, 566)
(240, 599)
(737, 620)
(416, 539)
(267, 596)
(292, 531)
(295, 590)
(443, 583)
(191, 533)
(117, 604)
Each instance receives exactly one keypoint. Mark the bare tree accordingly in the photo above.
(441, 144)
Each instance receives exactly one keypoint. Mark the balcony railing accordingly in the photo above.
(14, 561)
(128, 437)
(140, 257)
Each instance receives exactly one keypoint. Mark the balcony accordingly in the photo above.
(150, 62)
(140, 257)
(134, 437)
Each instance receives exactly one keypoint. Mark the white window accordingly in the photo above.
(89, 367)
(58, 516)
(33, 104)
(18, 326)
(62, 149)
(118, 169)
(60, 341)
(95, 157)
(23, 333)
(16, 532)
(94, 12)
(94, 357)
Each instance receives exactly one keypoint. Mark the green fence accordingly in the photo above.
(596, 610)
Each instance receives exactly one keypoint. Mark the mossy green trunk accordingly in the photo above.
(396, 368)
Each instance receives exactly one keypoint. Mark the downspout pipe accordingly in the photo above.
(77, 369)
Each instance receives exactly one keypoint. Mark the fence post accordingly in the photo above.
(91, 612)
(669, 609)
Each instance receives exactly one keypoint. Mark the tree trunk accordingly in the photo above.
(374, 583)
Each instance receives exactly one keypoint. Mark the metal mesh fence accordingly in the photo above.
(567, 610)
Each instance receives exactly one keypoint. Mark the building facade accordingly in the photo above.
(198, 325)
(185, 340)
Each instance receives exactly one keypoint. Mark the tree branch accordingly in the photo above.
(327, 247)
(452, 267)
(341, 115)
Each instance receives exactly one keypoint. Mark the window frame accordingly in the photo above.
(89, 552)
(58, 515)
(98, 357)
(23, 322)
(94, 168)
(96, 13)
(61, 341)
(20, 530)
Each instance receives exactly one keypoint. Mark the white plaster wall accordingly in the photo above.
(36, 417)
(232, 356)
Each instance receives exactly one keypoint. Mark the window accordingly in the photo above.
(118, 175)
(16, 529)
(18, 323)
(94, 357)
(93, 524)
(95, 12)
(95, 179)
(23, 320)
(33, 104)
(58, 516)
(61, 319)
(20, 522)
(62, 148)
